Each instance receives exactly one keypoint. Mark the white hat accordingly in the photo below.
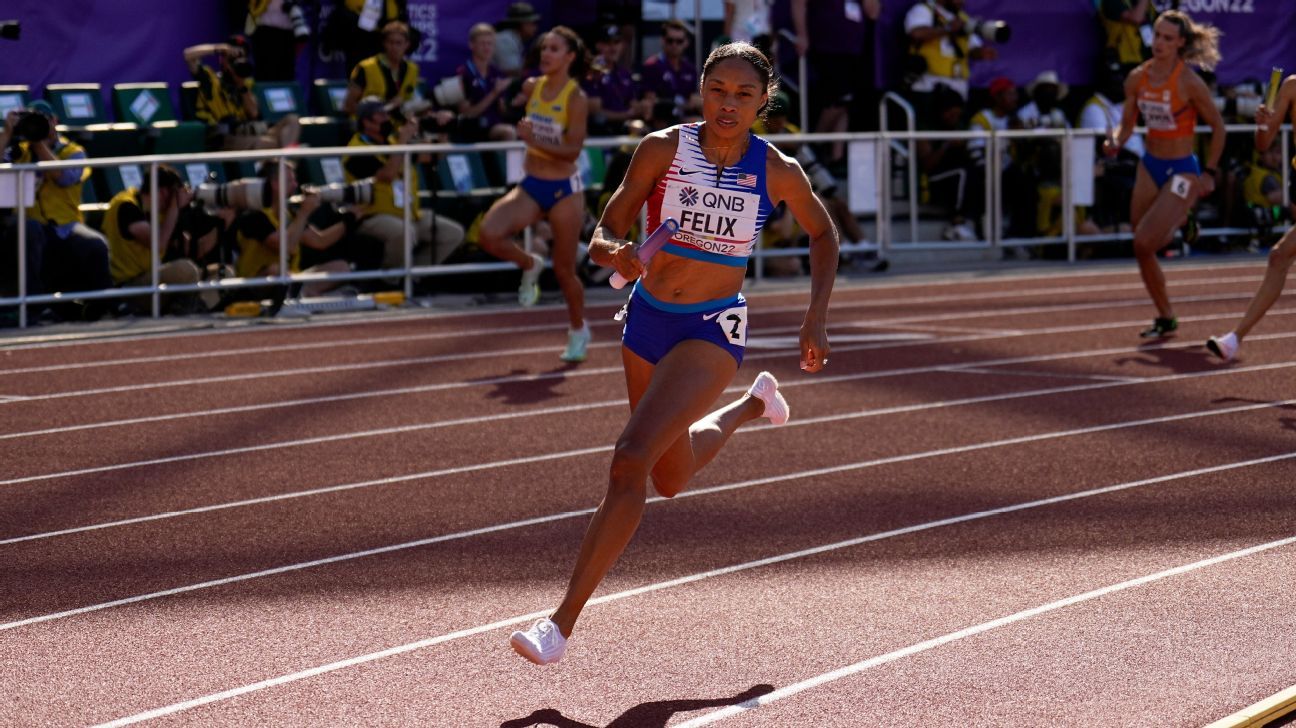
(1049, 78)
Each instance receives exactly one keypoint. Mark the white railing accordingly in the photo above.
(882, 143)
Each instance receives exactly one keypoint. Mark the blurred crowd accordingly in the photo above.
(640, 77)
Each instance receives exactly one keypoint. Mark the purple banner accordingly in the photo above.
(1257, 35)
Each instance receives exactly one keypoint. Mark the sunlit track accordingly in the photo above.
(737, 568)
(997, 494)
(806, 474)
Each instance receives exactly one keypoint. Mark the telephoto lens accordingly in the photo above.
(359, 192)
(243, 194)
(992, 31)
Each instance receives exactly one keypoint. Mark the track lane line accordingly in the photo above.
(803, 422)
(804, 474)
(1004, 621)
(723, 571)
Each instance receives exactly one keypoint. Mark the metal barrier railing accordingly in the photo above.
(881, 179)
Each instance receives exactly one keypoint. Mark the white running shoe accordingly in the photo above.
(765, 388)
(1225, 347)
(529, 291)
(577, 342)
(543, 644)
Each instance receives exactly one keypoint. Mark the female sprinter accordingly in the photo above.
(1268, 124)
(1170, 96)
(554, 130)
(687, 322)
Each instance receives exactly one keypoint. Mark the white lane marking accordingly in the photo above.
(792, 342)
(724, 571)
(868, 303)
(802, 422)
(932, 644)
(405, 429)
(407, 362)
(695, 493)
(1047, 375)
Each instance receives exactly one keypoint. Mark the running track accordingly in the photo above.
(996, 507)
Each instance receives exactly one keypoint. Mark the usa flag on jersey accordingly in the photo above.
(746, 180)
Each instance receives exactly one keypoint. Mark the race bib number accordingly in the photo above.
(545, 129)
(1157, 114)
(733, 322)
(1181, 186)
(711, 219)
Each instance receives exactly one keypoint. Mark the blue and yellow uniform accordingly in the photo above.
(549, 122)
(720, 213)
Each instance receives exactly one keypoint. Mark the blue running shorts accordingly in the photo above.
(1163, 169)
(654, 327)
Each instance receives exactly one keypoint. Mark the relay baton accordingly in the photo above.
(1271, 98)
(664, 231)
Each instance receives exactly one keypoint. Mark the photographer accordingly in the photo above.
(73, 256)
(259, 236)
(387, 75)
(944, 41)
(436, 237)
(279, 30)
(129, 233)
(228, 106)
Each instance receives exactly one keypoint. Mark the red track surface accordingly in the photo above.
(340, 523)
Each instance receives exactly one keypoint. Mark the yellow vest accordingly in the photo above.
(1125, 38)
(390, 12)
(941, 59)
(216, 104)
(127, 259)
(55, 204)
(255, 256)
(388, 197)
(548, 118)
(373, 72)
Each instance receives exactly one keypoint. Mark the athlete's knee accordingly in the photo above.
(630, 466)
(1282, 254)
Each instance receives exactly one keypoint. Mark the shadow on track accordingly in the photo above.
(654, 714)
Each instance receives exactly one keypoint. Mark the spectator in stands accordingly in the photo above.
(942, 47)
(1043, 112)
(355, 27)
(822, 182)
(1262, 195)
(436, 236)
(1018, 192)
(73, 257)
(387, 75)
(228, 106)
(1114, 175)
(1127, 25)
(670, 75)
(951, 179)
(130, 233)
(749, 20)
(612, 89)
(278, 31)
(481, 113)
(833, 38)
(259, 236)
(516, 32)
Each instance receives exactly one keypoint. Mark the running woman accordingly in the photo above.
(1268, 123)
(1170, 96)
(554, 130)
(687, 320)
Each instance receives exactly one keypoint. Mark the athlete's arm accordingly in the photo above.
(1129, 115)
(1199, 95)
(787, 182)
(1269, 121)
(651, 160)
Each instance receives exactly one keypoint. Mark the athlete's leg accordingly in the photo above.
(681, 389)
(1155, 228)
(506, 218)
(1280, 263)
(565, 219)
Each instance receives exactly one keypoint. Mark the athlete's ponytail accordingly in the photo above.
(1201, 40)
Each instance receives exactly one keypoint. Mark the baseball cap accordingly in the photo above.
(369, 106)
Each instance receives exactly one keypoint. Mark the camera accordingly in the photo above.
(10, 29)
(243, 194)
(991, 31)
(448, 92)
(415, 109)
(360, 192)
(31, 127)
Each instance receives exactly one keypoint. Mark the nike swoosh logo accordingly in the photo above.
(709, 316)
(691, 171)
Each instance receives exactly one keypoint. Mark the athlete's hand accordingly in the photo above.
(1205, 184)
(1264, 115)
(814, 345)
(1111, 147)
(525, 130)
(625, 259)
